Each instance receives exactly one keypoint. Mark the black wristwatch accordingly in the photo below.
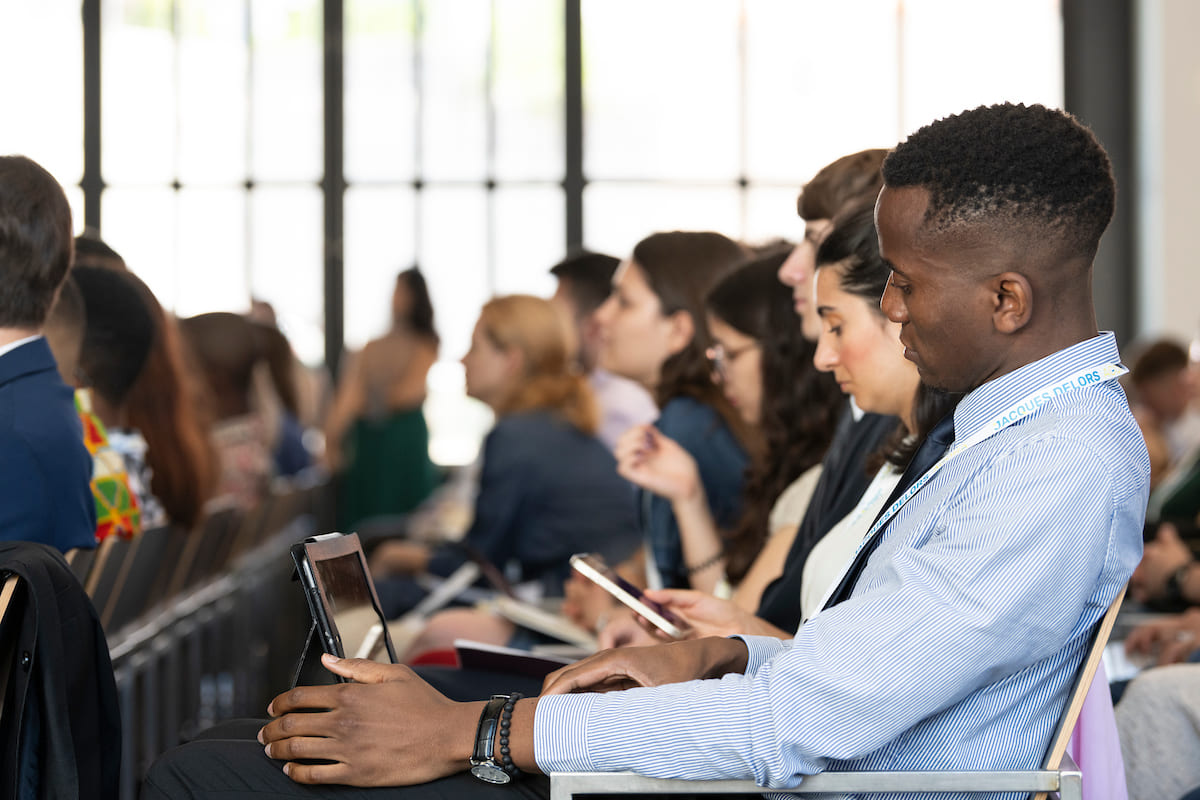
(483, 761)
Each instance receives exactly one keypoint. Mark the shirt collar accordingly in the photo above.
(8, 348)
(982, 405)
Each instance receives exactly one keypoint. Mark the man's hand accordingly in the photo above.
(389, 728)
(1161, 558)
(711, 616)
(1169, 641)
(649, 666)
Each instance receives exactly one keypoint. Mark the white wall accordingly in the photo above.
(1168, 130)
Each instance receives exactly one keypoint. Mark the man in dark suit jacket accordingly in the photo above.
(45, 469)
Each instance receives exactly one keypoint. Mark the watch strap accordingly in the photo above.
(485, 734)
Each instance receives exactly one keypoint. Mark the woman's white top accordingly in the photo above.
(792, 503)
(828, 557)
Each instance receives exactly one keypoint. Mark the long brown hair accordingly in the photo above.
(680, 267)
(532, 326)
(165, 405)
(800, 405)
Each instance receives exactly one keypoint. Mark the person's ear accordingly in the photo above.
(1012, 302)
(514, 362)
(681, 330)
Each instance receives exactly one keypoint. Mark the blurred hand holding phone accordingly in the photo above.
(593, 568)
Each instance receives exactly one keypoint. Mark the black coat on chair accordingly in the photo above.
(61, 729)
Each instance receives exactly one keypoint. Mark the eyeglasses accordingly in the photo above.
(720, 358)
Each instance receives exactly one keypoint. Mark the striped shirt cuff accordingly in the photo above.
(761, 650)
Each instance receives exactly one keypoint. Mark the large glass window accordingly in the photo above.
(212, 154)
(712, 113)
(43, 96)
(454, 163)
(697, 114)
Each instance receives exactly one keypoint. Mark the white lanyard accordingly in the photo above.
(1013, 414)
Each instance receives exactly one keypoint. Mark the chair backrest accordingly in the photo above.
(104, 579)
(80, 560)
(1083, 683)
(8, 636)
(134, 586)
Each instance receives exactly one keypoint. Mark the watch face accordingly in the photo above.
(490, 773)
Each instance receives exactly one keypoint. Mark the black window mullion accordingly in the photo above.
(333, 185)
(418, 184)
(92, 182)
(489, 85)
(573, 178)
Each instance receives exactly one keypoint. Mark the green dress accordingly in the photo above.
(388, 471)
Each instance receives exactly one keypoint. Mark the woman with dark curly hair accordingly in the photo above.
(764, 365)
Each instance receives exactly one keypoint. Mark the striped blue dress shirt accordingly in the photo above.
(958, 645)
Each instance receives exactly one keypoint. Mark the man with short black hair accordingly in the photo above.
(954, 638)
(584, 283)
(44, 467)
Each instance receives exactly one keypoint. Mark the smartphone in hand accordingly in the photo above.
(593, 568)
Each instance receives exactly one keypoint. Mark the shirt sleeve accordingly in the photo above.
(932, 622)
(502, 476)
(24, 501)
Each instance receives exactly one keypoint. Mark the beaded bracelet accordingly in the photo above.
(506, 762)
(703, 565)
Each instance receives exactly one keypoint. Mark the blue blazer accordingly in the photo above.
(546, 491)
(45, 470)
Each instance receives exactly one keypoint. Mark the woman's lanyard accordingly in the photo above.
(1010, 416)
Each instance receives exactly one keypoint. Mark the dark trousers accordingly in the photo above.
(227, 763)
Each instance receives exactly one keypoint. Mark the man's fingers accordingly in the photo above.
(583, 675)
(303, 698)
(318, 773)
(296, 724)
(306, 747)
(361, 670)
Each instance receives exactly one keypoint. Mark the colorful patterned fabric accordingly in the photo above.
(118, 510)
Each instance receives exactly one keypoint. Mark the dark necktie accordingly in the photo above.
(931, 450)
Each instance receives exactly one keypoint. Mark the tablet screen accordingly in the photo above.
(347, 593)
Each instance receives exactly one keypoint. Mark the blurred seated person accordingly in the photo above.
(45, 470)
(1158, 721)
(118, 334)
(548, 487)
(1168, 575)
(166, 404)
(246, 367)
(100, 355)
(291, 454)
(1164, 389)
(584, 283)
(376, 439)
